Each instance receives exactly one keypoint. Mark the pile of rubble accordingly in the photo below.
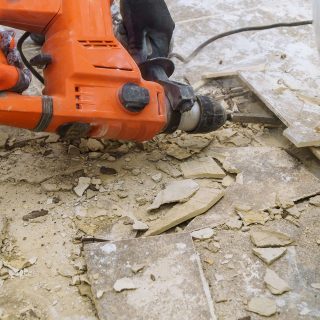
(106, 195)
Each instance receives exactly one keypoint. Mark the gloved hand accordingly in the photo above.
(8, 47)
(148, 27)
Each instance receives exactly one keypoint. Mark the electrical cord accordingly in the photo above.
(229, 33)
(25, 60)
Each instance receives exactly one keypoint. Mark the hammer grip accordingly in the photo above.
(9, 77)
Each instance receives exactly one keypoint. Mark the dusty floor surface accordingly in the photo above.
(49, 288)
(42, 220)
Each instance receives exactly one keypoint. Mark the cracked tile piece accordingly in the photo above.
(177, 191)
(253, 217)
(124, 284)
(269, 255)
(202, 168)
(203, 200)
(83, 185)
(203, 234)
(275, 284)
(262, 306)
(315, 201)
(168, 169)
(270, 238)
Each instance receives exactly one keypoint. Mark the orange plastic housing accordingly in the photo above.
(89, 69)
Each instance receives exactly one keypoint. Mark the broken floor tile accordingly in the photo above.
(294, 212)
(157, 177)
(284, 202)
(177, 152)
(155, 156)
(315, 286)
(95, 145)
(274, 283)
(262, 306)
(3, 139)
(234, 223)
(269, 255)
(194, 143)
(269, 238)
(315, 201)
(168, 169)
(107, 228)
(83, 185)
(186, 145)
(172, 277)
(20, 263)
(202, 168)
(137, 268)
(203, 234)
(253, 217)
(124, 284)
(201, 202)
(263, 178)
(140, 226)
(228, 181)
(177, 191)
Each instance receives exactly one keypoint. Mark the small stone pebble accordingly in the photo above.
(157, 177)
(108, 171)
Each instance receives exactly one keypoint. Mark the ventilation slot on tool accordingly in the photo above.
(78, 96)
(112, 68)
(98, 44)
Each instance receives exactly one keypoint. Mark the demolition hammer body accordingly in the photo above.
(93, 87)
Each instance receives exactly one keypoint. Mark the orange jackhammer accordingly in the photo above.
(93, 87)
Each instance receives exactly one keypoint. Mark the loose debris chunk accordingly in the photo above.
(253, 217)
(3, 139)
(315, 201)
(269, 238)
(234, 223)
(124, 284)
(203, 234)
(204, 199)
(275, 284)
(137, 268)
(35, 214)
(83, 185)
(315, 286)
(94, 145)
(269, 255)
(202, 168)
(140, 226)
(19, 263)
(177, 191)
(262, 306)
(168, 169)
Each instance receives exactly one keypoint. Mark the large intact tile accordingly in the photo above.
(168, 284)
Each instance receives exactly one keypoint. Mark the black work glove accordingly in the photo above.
(148, 26)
